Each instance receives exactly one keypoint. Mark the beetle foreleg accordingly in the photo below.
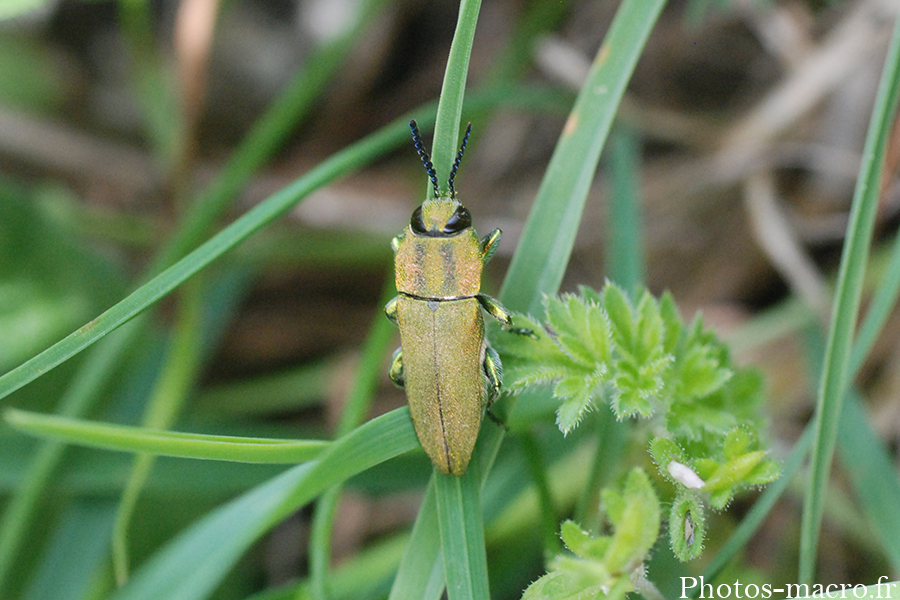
(396, 370)
(395, 243)
(489, 245)
(493, 371)
(390, 309)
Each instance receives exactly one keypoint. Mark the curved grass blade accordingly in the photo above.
(873, 474)
(449, 112)
(849, 290)
(268, 134)
(164, 443)
(171, 388)
(191, 566)
(357, 406)
(421, 571)
(273, 207)
(21, 508)
(76, 553)
(543, 253)
(462, 535)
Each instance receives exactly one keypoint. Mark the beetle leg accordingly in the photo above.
(395, 243)
(396, 370)
(489, 245)
(390, 309)
(499, 312)
(493, 371)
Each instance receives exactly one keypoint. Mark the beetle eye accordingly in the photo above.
(416, 222)
(460, 220)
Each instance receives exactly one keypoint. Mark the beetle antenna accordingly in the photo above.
(426, 160)
(458, 160)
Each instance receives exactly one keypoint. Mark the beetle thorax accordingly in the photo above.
(440, 255)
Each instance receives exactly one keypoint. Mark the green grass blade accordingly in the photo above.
(156, 99)
(849, 290)
(421, 571)
(357, 406)
(449, 112)
(193, 564)
(542, 256)
(126, 438)
(462, 535)
(872, 472)
(276, 205)
(179, 371)
(879, 310)
(267, 135)
(87, 385)
(76, 553)
(625, 252)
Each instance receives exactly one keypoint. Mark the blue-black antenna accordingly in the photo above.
(420, 148)
(458, 160)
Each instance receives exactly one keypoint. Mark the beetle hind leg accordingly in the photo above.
(493, 372)
(396, 371)
(499, 312)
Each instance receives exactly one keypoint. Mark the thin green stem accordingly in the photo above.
(172, 388)
(449, 112)
(849, 290)
(538, 469)
(355, 409)
(87, 385)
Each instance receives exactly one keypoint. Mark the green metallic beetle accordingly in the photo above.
(449, 372)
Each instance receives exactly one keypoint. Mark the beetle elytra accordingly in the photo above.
(449, 372)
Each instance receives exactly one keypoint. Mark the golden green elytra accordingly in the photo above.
(450, 373)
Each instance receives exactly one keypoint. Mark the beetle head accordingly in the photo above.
(441, 217)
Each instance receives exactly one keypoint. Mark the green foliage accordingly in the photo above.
(602, 566)
(647, 363)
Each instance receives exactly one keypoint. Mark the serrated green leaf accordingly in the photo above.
(569, 387)
(720, 498)
(598, 333)
(734, 471)
(736, 443)
(590, 294)
(570, 330)
(705, 467)
(571, 411)
(649, 329)
(765, 472)
(620, 317)
(671, 319)
(637, 525)
(581, 543)
(664, 451)
(701, 372)
(564, 585)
